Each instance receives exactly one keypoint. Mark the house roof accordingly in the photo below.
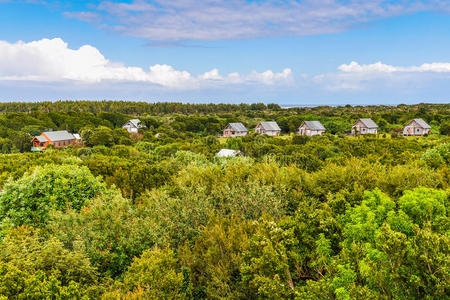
(270, 126)
(77, 136)
(369, 123)
(62, 135)
(228, 153)
(135, 122)
(421, 123)
(314, 125)
(238, 127)
(41, 138)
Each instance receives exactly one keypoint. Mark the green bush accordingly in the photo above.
(29, 199)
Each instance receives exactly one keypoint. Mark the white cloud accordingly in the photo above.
(379, 67)
(52, 60)
(209, 20)
(379, 76)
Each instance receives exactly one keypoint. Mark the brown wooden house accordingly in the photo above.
(60, 138)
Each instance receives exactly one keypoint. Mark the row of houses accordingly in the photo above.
(64, 138)
(415, 127)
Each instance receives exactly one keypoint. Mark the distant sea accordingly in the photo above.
(287, 106)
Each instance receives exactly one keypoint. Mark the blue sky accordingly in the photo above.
(289, 52)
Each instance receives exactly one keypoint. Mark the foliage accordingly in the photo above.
(29, 199)
(156, 215)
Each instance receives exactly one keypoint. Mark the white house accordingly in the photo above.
(365, 126)
(310, 128)
(416, 127)
(229, 153)
(235, 129)
(133, 125)
(269, 128)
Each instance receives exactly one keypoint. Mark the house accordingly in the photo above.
(60, 138)
(365, 126)
(416, 127)
(235, 129)
(269, 128)
(229, 153)
(310, 128)
(133, 125)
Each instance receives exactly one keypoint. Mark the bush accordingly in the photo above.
(29, 199)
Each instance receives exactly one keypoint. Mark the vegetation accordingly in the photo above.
(155, 215)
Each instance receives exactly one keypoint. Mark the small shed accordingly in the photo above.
(133, 125)
(310, 128)
(268, 128)
(365, 126)
(229, 153)
(416, 127)
(235, 129)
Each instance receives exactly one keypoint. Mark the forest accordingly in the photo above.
(156, 215)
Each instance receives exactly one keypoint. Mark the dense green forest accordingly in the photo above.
(155, 215)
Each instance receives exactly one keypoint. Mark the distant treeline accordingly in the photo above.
(137, 108)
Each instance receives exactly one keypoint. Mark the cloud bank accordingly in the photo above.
(51, 60)
(380, 76)
(211, 20)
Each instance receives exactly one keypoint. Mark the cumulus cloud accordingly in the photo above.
(209, 20)
(379, 67)
(52, 60)
(377, 76)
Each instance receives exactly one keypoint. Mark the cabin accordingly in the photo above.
(229, 153)
(235, 129)
(133, 125)
(59, 139)
(365, 126)
(310, 128)
(416, 127)
(268, 128)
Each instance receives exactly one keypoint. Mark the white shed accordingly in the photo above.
(229, 153)
(133, 125)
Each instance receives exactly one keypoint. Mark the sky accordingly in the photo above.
(293, 52)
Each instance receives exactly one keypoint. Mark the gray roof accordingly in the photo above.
(135, 123)
(62, 135)
(314, 125)
(422, 123)
(369, 123)
(41, 138)
(270, 126)
(228, 153)
(238, 127)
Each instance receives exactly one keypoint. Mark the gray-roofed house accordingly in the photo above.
(133, 125)
(416, 127)
(269, 128)
(235, 129)
(310, 128)
(59, 138)
(365, 126)
(228, 153)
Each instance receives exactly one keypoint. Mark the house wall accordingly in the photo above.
(259, 129)
(130, 128)
(272, 132)
(360, 128)
(303, 130)
(228, 132)
(414, 129)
